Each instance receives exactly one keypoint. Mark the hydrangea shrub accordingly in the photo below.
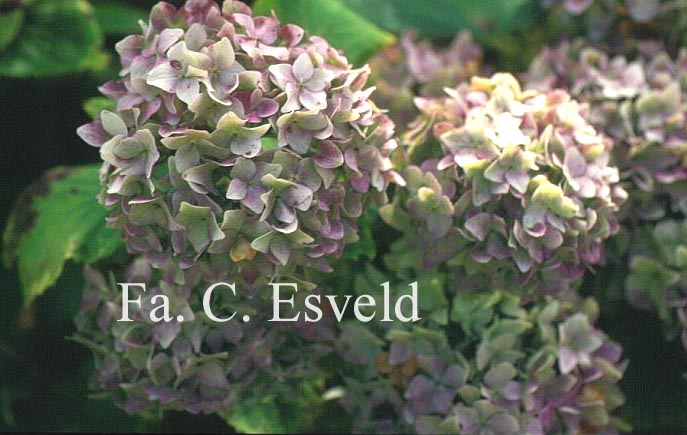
(242, 149)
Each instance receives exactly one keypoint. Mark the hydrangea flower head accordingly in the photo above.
(237, 136)
(194, 365)
(641, 104)
(517, 178)
(534, 368)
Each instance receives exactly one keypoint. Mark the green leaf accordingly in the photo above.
(56, 219)
(118, 17)
(444, 18)
(93, 106)
(56, 37)
(10, 24)
(333, 20)
(257, 417)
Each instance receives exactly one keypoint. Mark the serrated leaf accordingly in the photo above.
(56, 219)
(118, 18)
(341, 25)
(56, 37)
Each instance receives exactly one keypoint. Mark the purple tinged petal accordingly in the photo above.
(93, 134)
(195, 37)
(420, 389)
(283, 213)
(319, 80)
(299, 197)
(438, 224)
(478, 225)
(353, 205)
(610, 351)
(292, 34)
(333, 230)
(399, 352)
(575, 163)
(361, 183)
(266, 108)
(503, 424)
(577, 7)
(211, 374)
(298, 138)
(567, 360)
(187, 90)
(313, 100)
(113, 89)
(164, 76)
(253, 200)
(328, 155)
(237, 190)
(644, 11)
(282, 75)
(303, 68)
(351, 160)
(165, 333)
(442, 399)
(512, 391)
(167, 38)
(246, 146)
(519, 180)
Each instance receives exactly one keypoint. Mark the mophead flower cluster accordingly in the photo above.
(238, 140)
(528, 368)
(641, 104)
(195, 365)
(518, 179)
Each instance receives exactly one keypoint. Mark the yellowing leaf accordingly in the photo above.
(56, 219)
